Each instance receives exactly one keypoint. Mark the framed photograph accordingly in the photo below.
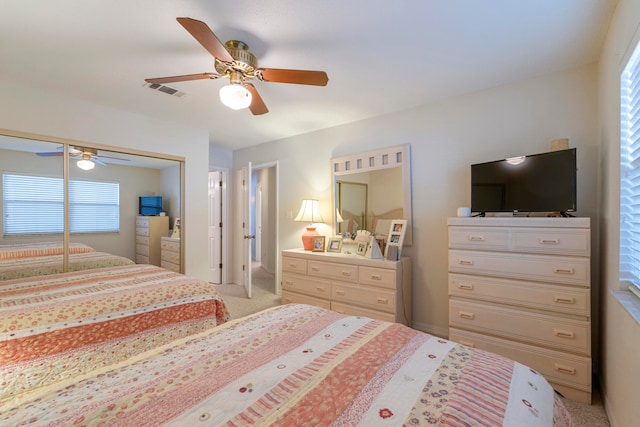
(395, 238)
(176, 229)
(362, 248)
(335, 244)
(317, 244)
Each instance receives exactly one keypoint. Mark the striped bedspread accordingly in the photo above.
(55, 328)
(34, 249)
(50, 264)
(297, 365)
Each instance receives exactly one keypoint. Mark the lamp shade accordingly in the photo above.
(85, 164)
(309, 212)
(235, 96)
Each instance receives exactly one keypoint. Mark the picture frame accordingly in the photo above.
(176, 229)
(317, 244)
(395, 239)
(362, 247)
(334, 244)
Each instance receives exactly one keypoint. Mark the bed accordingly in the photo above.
(61, 326)
(43, 258)
(295, 365)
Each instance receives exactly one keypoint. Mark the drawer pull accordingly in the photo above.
(467, 343)
(376, 277)
(293, 265)
(287, 301)
(565, 300)
(561, 270)
(549, 241)
(466, 315)
(315, 268)
(339, 292)
(473, 238)
(320, 289)
(564, 334)
(466, 286)
(465, 262)
(565, 369)
(288, 282)
(346, 273)
(383, 300)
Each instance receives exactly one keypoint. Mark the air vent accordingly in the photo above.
(165, 89)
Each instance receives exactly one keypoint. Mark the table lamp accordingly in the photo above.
(309, 212)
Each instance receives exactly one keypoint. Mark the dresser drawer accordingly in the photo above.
(142, 222)
(534, 328)
(575, 241)
(556, 366)
(320, 288)
(557, 298)
(142, 231)
(292, 297)
(142, 259)
(142, 240)
(486, 238)
(170, 245)
(343, 272)
(170, 265)
(382, 277)
(352, 310)
(545, 268)
(142, 249)
(295, 265)
(368, 297)
(170, 256)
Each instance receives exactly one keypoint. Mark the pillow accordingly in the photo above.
(29, 250)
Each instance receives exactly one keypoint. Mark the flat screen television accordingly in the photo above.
(150, 205)
(544, 182)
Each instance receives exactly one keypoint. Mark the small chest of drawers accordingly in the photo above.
(170, 253)
(149, 230)
(521, 287)
(349, 284)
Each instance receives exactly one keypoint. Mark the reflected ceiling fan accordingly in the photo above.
(234, 61)
(87, 157)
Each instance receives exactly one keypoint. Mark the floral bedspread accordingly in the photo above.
(50, 264)
(57, 327)
(299, 365)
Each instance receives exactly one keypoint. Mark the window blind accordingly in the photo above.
(630, 172)
(35, 205)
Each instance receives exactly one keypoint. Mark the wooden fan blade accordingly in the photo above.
(301, 77)
(186, 77)
(98, 161)
(201, 32)
(257, 106)
(50, 154)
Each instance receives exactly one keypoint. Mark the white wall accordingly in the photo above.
(620, 374)
(45, 113)
(445, 138)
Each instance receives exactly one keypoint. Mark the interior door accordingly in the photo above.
(248, 237)
(215, 227)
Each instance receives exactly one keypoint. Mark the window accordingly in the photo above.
(35, 205)
(630, 173)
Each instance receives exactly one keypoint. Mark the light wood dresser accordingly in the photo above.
(170, 253)
(348, 284)
(520, 287)
(149, 230)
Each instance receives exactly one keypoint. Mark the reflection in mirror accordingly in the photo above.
(373, 188)
(103, 200)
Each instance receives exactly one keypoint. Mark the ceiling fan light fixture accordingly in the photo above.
(85, 164)
(235, 96)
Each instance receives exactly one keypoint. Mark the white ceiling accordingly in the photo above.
(381, 56)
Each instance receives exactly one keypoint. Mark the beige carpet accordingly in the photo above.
(264, 296)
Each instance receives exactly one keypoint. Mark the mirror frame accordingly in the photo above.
(66, 142)
(367, 161)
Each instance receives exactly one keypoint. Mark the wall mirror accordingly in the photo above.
(29, 160)
(372, 188)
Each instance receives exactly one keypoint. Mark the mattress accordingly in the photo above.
(55, 328)
(299, 365)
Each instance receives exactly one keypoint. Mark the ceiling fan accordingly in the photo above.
(87, 157)
(234, 61)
